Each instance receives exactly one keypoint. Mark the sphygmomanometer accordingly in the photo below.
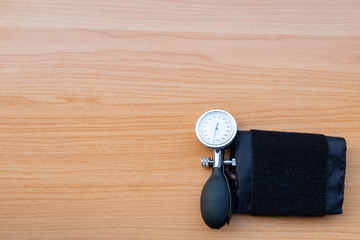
(269, 173)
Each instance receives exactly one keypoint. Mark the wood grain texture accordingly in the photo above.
(99, 99)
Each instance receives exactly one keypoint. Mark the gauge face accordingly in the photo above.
(216, 128)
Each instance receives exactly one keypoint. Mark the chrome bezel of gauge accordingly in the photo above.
(217, 146)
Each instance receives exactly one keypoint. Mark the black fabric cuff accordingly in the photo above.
(288, 174)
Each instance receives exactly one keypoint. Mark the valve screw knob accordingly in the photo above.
(206, 162)
(231, 162)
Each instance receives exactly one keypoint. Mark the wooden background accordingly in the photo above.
(99, 100)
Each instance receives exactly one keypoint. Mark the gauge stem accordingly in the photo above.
(218, 158)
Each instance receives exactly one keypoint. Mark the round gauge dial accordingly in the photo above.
(216, 129)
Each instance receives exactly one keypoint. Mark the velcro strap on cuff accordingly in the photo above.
(289, 174)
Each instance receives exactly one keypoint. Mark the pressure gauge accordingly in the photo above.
(216, 129)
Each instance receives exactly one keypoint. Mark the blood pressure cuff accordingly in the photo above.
(288, 174)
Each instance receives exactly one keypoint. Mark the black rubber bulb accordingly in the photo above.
(215, 200)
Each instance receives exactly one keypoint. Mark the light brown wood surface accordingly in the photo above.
(99, 100)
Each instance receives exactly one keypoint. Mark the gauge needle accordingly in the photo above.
(216, 128)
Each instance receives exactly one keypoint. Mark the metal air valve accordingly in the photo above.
(207, 162)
